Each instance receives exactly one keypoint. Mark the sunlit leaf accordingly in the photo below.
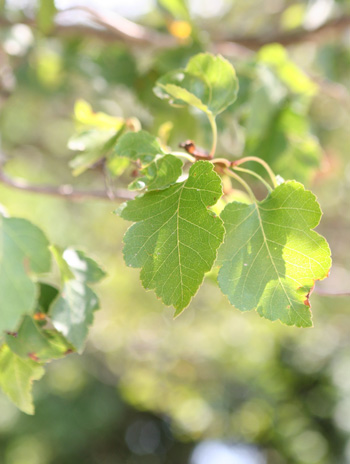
(208, 83)
(271, 258)
(162, 172)
(138, 145)
(175, 237)
(16, 378)
(85, 269)
(85, 116)
(72, 313)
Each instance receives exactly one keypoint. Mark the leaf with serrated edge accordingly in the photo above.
(162, 172)
(16, 377)
(176, 238)
(271, 258)
(220, 77)
(23, 248)
(138, 145)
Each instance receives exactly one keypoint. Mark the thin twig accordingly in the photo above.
(334, 27)
(116, 27)
(125, 29)
(64, 191)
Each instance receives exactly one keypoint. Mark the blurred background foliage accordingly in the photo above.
(214, 385)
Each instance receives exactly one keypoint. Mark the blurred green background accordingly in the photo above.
(213, 386)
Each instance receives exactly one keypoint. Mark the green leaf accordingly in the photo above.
(65, 270)
(208, 83)
(180, 88)
(72, 312)
(23, 248)
(138, 145)
(16, 377)
(271, 258)
(39, 344)
(159, 174)
(176, 238)
(84, 268)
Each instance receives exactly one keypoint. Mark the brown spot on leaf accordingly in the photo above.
(307, 298)
(33, 356)
(39, 316)
(26, 265)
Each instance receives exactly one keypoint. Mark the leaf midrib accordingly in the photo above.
(273, 262)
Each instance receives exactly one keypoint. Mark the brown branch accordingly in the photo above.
(116, 27)
(333, 27)
(127, 30)
(65, 191)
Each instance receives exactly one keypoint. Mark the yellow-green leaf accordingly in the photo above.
(271, 257)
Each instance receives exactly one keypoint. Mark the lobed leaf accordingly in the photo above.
(160, 169)
(162, 172)
(271, 258)
(208, 83)
(138, 145)
(175, 238)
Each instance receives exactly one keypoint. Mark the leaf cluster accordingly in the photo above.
(40, 321)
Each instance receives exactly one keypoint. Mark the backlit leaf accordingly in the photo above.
(16, 378)
(159, 174)
(175, 238)
(271, 257)
(208, 83)
(138, 145)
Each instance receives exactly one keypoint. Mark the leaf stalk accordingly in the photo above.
(260, 161)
